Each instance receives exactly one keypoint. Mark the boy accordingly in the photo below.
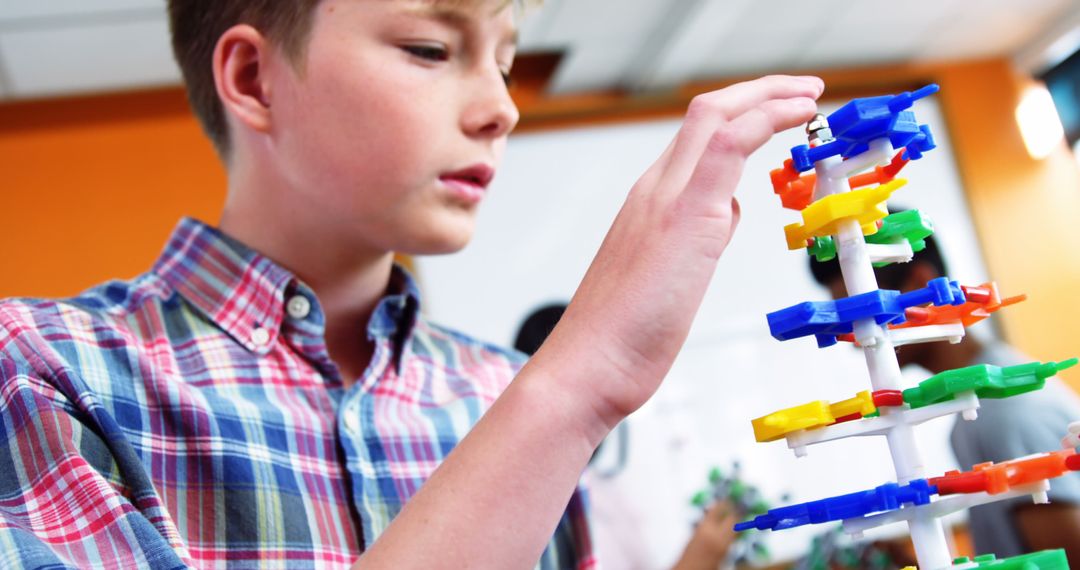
(268, 395)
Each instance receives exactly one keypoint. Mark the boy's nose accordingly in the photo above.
(491, 113)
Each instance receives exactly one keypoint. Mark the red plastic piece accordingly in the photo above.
(797, 191)
(848, 418)
(954, 482)
(996, 479)
(981, 301)
(880, 174)
(888, 398)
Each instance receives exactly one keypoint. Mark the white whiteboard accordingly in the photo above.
(555, 196)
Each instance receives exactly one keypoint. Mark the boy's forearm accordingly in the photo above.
(497, 498)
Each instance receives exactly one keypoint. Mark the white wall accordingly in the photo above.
(545, 217)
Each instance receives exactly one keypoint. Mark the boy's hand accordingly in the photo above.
(633, 310)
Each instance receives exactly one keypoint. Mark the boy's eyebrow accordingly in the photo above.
(452, 15)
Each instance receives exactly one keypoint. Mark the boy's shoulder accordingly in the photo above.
(39, 332)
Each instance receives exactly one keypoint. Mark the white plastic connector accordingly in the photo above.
(881, 425)
(1072, 438)
(890, 252)
(952, 332)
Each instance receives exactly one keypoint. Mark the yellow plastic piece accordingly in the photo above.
(823, 218)
(778, 424)
(862, 404)
(910, 568)
(809, 416)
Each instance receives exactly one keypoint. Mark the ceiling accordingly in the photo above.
(53, 48)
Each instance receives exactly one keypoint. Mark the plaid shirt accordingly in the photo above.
(193, 417)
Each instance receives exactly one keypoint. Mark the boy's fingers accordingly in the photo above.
(709, 111)
(720, 165)
(759, 124)
(739, 98)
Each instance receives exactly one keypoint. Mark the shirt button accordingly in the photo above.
(298, 307)
(352, 421)
(260, 336)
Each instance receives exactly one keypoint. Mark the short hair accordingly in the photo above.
(891, 276)
(196, 27)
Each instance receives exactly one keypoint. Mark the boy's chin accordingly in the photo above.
(439, 243)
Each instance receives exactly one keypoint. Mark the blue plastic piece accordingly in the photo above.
(863, 120)
(826, 319)
(887, 497)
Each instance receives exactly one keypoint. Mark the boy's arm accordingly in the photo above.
(56, 508)
(495, 501)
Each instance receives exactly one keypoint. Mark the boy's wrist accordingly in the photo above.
(563, 389)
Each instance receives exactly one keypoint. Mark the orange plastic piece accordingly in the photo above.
(797, 192)
(880, 174)
(999, 478)
(981, 302)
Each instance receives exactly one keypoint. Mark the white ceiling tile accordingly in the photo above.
(536, 26)
(687, 48)
(624, 23)
(1002, 28)
(596, 67)
(750, 50)
(11, 10)
(861, 34)
(93, 58)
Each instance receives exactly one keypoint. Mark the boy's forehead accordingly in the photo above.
(466, 6)
(462, 11)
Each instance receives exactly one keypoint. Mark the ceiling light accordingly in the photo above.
(1039, 122)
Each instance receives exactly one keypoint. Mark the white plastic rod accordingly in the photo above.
(927, 533)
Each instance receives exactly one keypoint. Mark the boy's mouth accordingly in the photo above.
(469, 183)
(479, 175)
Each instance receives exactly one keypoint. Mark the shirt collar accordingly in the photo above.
(243, 292)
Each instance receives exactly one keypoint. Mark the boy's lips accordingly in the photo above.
(469, 183)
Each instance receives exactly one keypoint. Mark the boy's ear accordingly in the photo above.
(240, 74)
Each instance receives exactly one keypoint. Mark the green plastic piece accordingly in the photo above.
(823, 249)
(1045, 560)
(700, 499)
(910, 225)
(986, 380)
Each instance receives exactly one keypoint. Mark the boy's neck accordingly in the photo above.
(348, 282)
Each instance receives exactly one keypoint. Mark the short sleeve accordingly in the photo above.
(1020, 426)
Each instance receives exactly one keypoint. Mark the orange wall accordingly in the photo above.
(93, 186)
(1027, 212)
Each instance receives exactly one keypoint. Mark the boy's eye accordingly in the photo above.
(428, 52)
(507, 79)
